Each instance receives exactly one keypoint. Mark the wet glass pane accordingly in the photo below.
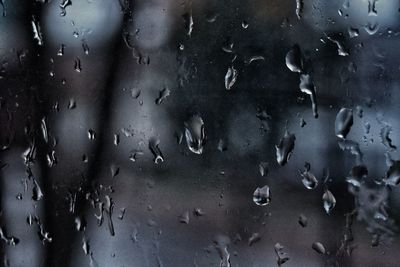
(199, 133)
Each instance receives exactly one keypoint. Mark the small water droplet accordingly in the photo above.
(281, 255)
(162, 95)
(61, 50)
(303, 221)
(254, 238)
(262, 196)
(154, 148)
(230, 77)
(353, 32)
(263, 167)
(294, 59)
(63, 6)
(188, 23)
(71, 103)
(11, 241)
(329, 201)
(299, 8)
(318, 247)
(91, 134)
(393, 174)
(37, 33)
(307, 86)
(77, 65)
(285, 148)
(135, 93)
(184, 217)
(37, 193)
(195, 134)
(114, 170)
(85, 47)
(343, 122)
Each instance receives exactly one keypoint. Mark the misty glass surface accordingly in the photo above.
(199, 133)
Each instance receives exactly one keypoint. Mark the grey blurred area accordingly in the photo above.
(135, 133)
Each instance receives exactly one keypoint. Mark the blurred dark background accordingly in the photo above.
(90, 89)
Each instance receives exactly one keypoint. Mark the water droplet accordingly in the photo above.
(262, 196)
(135, 93)
(154, 148)
(308, 179)
(230, 77)
(221, 245)
(116, 139)
(85, 47)
(37, 193)
(91, 134)
(195, 134)
(184, 217)
(294, 59)
(282, 256)
(340, 47)
(245, 25)
(108, 208)
(254, 238)
(299, 8)
(122, 213)
(253, 58)
(198, 212)
(80, 223)
(71, 103)
(371, 28)
(37, 33)
(343, 122)
(385, 138)
(135, 154)
(285, 148)
(85, 246)
(188, 23)
(303, 221)
(77, 65)
(319, 248)
(353, 32)
(307, 86)
(302, 122)
(11, 241)
(51, 159)
(114, 170)
(61, 50)
(163, 94)
(372, 8)
(263, 167)
(63, 6)
(43, 127)
(222, 146)
(393, 174)
(329, 201)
